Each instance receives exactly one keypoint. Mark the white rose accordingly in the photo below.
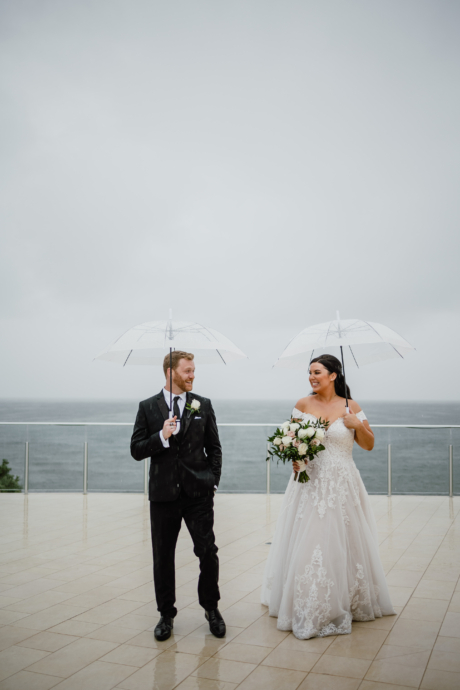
(286, 441)
(302, 433)
(285, 425)
(310, 432)
(277, 441)
(195, 404)
(315, 442)
(294, 427)
(302, 449)
(320, 434)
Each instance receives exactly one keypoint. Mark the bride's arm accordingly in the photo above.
(364, 436)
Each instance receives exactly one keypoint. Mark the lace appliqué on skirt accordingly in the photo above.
(312, 604)
(363, 607)
(313, 608)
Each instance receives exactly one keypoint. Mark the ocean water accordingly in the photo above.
(419, 456)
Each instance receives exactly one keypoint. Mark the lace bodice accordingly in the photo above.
(337, 435)
(333, 473)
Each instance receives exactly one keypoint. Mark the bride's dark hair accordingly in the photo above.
(334, 366)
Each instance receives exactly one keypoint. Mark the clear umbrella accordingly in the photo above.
(364, 342)
(148, 343)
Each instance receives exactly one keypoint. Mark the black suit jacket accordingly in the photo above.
(193, 462)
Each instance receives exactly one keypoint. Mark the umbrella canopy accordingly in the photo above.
(364, 341)
(149, 342)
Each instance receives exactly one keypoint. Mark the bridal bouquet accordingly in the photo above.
(299, 442)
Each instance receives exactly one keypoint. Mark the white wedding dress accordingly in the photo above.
(324, 569)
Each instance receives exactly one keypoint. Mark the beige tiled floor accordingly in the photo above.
(77, 605)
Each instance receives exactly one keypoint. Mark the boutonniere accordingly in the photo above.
(194, 406)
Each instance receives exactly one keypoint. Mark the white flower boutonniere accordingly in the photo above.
(194, 406)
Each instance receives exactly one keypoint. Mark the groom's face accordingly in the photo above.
(184, 375)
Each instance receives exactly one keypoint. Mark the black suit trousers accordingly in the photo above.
(165, 521)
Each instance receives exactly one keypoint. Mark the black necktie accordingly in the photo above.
(177, 414)
(176, 407)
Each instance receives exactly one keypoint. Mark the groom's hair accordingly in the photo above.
(177, 355)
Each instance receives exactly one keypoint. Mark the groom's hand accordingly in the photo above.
(169, 427)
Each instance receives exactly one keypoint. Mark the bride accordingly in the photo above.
(324, 568)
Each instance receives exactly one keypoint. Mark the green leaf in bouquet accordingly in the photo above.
(303, 477)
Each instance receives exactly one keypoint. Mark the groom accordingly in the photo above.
(185, 466)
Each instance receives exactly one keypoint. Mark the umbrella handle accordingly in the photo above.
(344, 380)
(170, 382)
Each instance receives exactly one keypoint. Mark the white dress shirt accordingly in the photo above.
(181, 402)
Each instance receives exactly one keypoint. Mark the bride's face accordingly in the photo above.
(320, 378)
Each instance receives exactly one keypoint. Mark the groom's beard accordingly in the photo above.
(180, 383)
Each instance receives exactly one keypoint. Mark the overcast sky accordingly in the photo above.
(255, 165)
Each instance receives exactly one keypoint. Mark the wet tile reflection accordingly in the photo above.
(77, 603)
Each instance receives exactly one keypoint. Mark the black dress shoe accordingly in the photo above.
(163, 628)
(216, 623)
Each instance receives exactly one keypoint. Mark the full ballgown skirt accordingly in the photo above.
(324, 568)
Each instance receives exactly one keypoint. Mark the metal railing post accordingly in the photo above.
(268, 468)
(26, 469)
(451, 471)
(85, 469)
(389, 469)
(146, 476)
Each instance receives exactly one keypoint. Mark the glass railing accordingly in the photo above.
(95, 457)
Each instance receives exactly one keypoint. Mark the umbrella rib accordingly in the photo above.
(353, 356)
(352, 327)
(221, 357)
(327, 334)
(130, 353)
(192, 328)
(396, 351)
(121, 336)
(372, 327)
(384, 341)
(207, 333)
(287, 346)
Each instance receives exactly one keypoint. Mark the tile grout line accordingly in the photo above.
(248, 569)
(424, 571)
(447, 610)
(411, 543)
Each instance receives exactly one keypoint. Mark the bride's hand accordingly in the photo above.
(299, 466)
(351, 421)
